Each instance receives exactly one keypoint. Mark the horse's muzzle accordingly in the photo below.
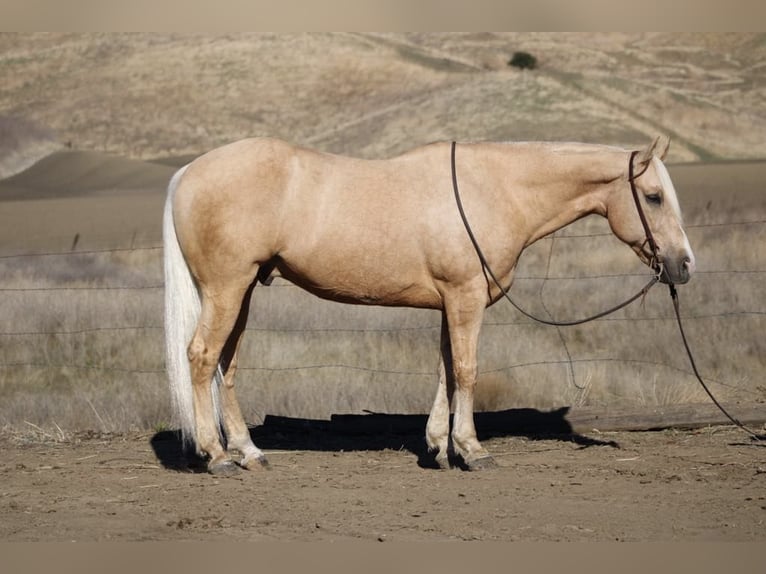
(677, 271)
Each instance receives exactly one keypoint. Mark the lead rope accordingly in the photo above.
(657, 266)
(644, 290)
(735, 421)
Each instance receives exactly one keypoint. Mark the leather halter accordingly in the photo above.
(488, 270)
(655, 263)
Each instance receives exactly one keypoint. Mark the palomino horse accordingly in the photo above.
(380, 232)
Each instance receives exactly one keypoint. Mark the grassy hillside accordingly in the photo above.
(148, 95)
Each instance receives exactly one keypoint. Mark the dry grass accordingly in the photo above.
(81, 348)
(22, 143)
(86, 357)
(150, 95)
(89, 357)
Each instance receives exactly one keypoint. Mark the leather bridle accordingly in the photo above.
(655, 263)
(490, 274)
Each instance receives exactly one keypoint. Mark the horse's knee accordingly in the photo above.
(465, 374)
(195, 350)
(199, 355)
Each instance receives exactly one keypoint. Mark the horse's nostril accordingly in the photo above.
(685, 269)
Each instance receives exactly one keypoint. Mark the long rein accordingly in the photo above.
(656, 266)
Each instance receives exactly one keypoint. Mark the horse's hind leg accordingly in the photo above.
(219, 313)
(237, 433)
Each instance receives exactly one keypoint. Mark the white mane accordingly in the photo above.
(667, 185)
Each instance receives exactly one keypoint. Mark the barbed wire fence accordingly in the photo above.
(88, 350)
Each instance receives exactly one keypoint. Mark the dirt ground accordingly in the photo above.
(695, 485)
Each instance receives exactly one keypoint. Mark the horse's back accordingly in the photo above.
(269, 180)
(346, 225)
(264, 167)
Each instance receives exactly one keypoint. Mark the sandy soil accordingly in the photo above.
(648, 486)
(387, 93)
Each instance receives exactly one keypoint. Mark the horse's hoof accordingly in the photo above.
(255, 463)
(482, 463)
(223, 468)
(443, 462)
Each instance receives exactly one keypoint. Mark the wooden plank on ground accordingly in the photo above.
(671, 416)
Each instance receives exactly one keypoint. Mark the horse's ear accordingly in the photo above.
(659, 147)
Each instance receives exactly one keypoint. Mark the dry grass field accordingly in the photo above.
(147, 95)
(82, 331)
(93, 125)
(82, 337)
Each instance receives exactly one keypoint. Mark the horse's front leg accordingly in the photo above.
(437, 428)
(464, 326)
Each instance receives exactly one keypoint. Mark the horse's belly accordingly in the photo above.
(361, 286)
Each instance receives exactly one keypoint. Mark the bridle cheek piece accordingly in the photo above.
(656, 265)
(655, 262)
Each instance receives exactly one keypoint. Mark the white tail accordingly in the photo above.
(182, 309)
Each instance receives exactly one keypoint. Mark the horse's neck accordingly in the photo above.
(569, 183)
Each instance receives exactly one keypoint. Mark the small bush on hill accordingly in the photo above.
(523, 60)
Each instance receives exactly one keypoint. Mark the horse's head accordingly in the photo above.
(656, 198)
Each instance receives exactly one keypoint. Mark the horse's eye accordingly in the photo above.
(654, 198)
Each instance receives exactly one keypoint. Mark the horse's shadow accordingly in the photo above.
(373, 431)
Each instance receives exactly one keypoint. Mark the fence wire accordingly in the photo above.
(54, 349)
